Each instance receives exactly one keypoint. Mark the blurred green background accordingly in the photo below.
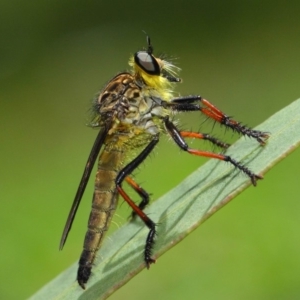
(55, 55)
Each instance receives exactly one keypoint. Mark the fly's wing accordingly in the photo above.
(84, 180)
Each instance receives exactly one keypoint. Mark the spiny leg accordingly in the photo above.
(197, 103)
(127, 170)
(142, 193)
(178, 138)
(213, 112)
(148, 222)
(204, 136)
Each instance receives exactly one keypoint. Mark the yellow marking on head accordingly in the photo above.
(157, 82)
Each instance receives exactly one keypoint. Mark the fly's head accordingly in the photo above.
(156, 73)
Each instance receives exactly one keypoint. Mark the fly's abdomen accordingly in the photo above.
(103, 207)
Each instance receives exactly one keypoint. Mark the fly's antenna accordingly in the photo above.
(150, 48)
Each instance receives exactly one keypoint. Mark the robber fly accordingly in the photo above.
(131, 112)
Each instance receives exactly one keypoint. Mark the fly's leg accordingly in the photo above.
(127, 170)
(142, 193)
(197, 103)
(178, 138)
(204, 136)
(148, 222)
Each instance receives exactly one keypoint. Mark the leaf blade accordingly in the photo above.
(198, 197)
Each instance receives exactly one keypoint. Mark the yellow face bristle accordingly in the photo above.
(158, 82)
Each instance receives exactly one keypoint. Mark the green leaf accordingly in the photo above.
(181, 210)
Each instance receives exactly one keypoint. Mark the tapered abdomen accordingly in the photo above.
(103, 207)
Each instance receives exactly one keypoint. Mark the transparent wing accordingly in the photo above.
(83, 182)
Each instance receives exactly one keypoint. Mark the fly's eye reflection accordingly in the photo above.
(147, 62)
(133, 110)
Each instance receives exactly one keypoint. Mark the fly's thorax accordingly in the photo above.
(130, 101)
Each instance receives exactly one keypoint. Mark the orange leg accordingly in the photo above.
(204, 136)
(197, 103)
(149, 223)
(143, 194)
(124, 175)
(178, 138)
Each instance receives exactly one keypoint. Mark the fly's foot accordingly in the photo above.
(150, 261)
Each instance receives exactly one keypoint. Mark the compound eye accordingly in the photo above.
(147, 62)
